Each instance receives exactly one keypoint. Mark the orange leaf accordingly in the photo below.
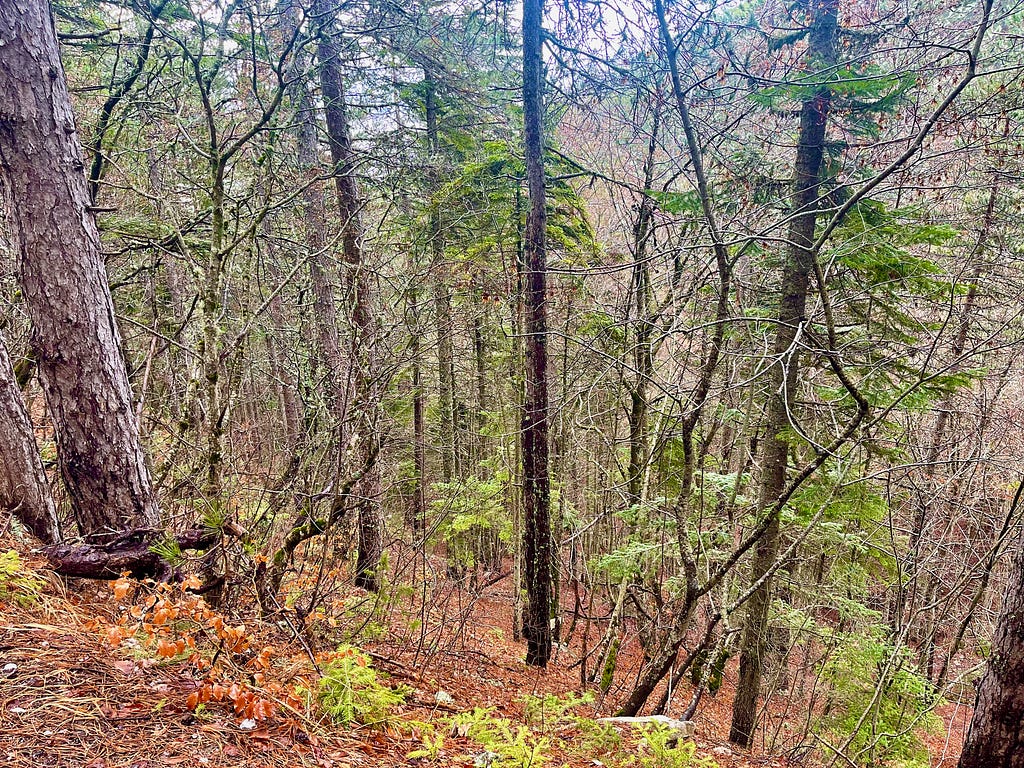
(192, 582)
(165, 649)
(193, 700)
(263, 709)
(121, 588)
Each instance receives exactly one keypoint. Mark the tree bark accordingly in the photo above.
(366, 375)
(321, 273)
(798, 268)
(75, 335)
(996, 736)
(536, 481)
(643, 328)
(442, 298)
(23, 486)
(662, 660)
(131, 551)
(418, 509)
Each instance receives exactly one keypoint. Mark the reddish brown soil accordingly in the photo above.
(73, 701)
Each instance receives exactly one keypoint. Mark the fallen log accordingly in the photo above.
(136, 551)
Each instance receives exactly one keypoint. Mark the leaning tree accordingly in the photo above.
(64, 283)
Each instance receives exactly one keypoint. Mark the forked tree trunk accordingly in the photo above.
(23, 487)
(75, 335)
(536, 482)
(799, 265)
(663, 659)
(643, 328)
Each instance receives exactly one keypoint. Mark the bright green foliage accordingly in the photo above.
(887, 261)
(877, 701)
(859, 94)
(516, 744)
(545, 711)
(432, 739)
(643, 552)
(17, 583)
(661, 748)
(476, 524)
(168, 550)
(488, 188)
(350, 692)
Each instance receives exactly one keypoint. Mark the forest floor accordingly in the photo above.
(95, 676)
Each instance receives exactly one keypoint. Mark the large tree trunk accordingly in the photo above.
(75, 335)
(792, 306)
(23, 487)
(536, 482)
(359, 301)
(996, 735)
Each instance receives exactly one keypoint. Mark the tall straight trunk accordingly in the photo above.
(799, 265)
(284, 379)
(996, 738)
(442, 299)
(23, 487)
(536, 481)
(359, 301)
(516, 364)
(418, 511)
(75, 336)
(331, 361)
(480, 357)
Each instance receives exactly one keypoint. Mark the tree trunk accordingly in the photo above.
(333, 378)
(23, 486)
(366, 374)
(442, 298)
(75, 335)
(643, 327)
(480, 419)
(792, 305)
(418, 510)
(536, 482)
(996, 736)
